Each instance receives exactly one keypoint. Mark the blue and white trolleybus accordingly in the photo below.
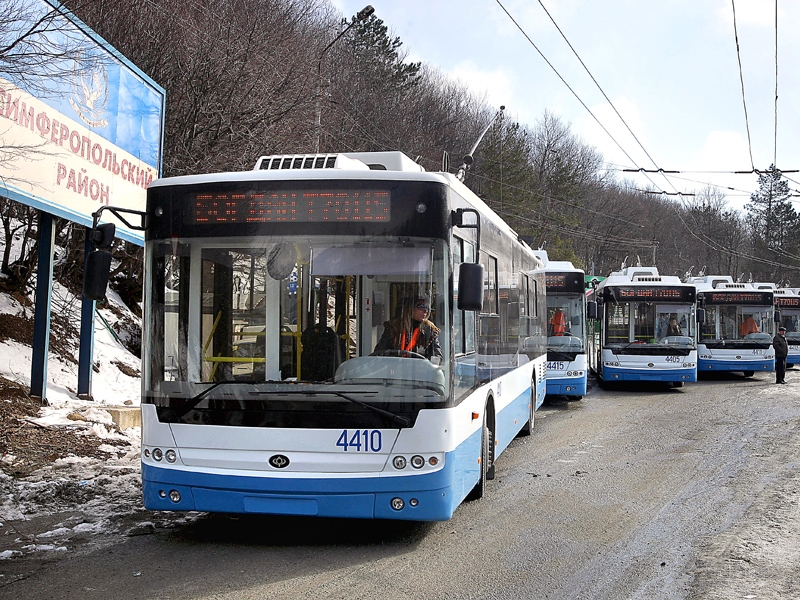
(647, 328)
(266, 295)
(738, 328)
(567, 369)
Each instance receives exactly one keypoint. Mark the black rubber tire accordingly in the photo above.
(480, 488)
(527, 429)
(749, 373)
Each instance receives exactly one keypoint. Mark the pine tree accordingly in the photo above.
(773, 224)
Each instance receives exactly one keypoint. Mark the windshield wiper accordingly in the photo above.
(395, 419)
(177, 413)
(563, 354)
(633, 343)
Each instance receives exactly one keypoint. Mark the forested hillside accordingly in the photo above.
(245, 79)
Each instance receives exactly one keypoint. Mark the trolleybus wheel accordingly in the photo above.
(527, 429)
(480, 488)
(749, 373)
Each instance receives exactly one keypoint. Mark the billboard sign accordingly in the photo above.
(80, 126)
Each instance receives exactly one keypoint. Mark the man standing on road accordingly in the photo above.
(781, 347)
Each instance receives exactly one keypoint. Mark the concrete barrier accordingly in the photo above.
(125, 417)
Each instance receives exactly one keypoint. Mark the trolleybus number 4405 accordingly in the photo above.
(361, 440)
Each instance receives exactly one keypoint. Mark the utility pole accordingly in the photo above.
(362, 14)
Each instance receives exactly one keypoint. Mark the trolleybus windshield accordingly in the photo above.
(280, 312)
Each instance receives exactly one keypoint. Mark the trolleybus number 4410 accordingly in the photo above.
(361, 440)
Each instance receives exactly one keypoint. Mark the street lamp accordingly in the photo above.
(360, 16)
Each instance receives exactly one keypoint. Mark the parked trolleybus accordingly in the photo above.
(266, 295)
(738, 328)
(648, 328)
(567, 369)
(787, 307)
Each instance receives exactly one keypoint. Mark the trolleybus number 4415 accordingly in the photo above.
(362, 440)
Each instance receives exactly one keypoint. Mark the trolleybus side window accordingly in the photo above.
(490, 284)
(489, 334)
(463, 321)
(469, 315)
(458, 315)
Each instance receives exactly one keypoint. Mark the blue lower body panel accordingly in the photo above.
(426, 497)
(567, 386)
(706, 365)
(359, 497)
(679, 375)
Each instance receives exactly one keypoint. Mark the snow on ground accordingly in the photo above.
(91, 494)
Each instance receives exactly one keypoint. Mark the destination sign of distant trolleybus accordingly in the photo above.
(266, 294)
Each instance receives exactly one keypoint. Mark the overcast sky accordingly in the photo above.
(670, 68)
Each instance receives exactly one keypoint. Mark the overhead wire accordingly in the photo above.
(702, 237)
(775, 140)
(741, 79)
(557, 200)
(574, 93)
(610, 103)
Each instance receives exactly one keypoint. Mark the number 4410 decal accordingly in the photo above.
(360, 440)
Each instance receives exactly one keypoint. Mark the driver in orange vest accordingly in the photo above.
(559, 322)
(748, 326)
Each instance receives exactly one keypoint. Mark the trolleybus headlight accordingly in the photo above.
(433, 461)
(171, 456)
(158, 454)
(399, 462)
(413, 502)
(398, 504)
(147, 452)
(422, 207)
(417, 461)
(162, 494)
(175, 496)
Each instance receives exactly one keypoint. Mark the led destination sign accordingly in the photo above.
(564, 282)
(764, 298)
(783, 302)
(682, 294)
(299, 206)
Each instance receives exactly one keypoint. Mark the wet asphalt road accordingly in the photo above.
(636, 492)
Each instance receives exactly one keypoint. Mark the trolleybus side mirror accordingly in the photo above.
(777, 316)
(599, 311)
(701, 316)
(591, 309)
(470, 286)
(97, 267)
